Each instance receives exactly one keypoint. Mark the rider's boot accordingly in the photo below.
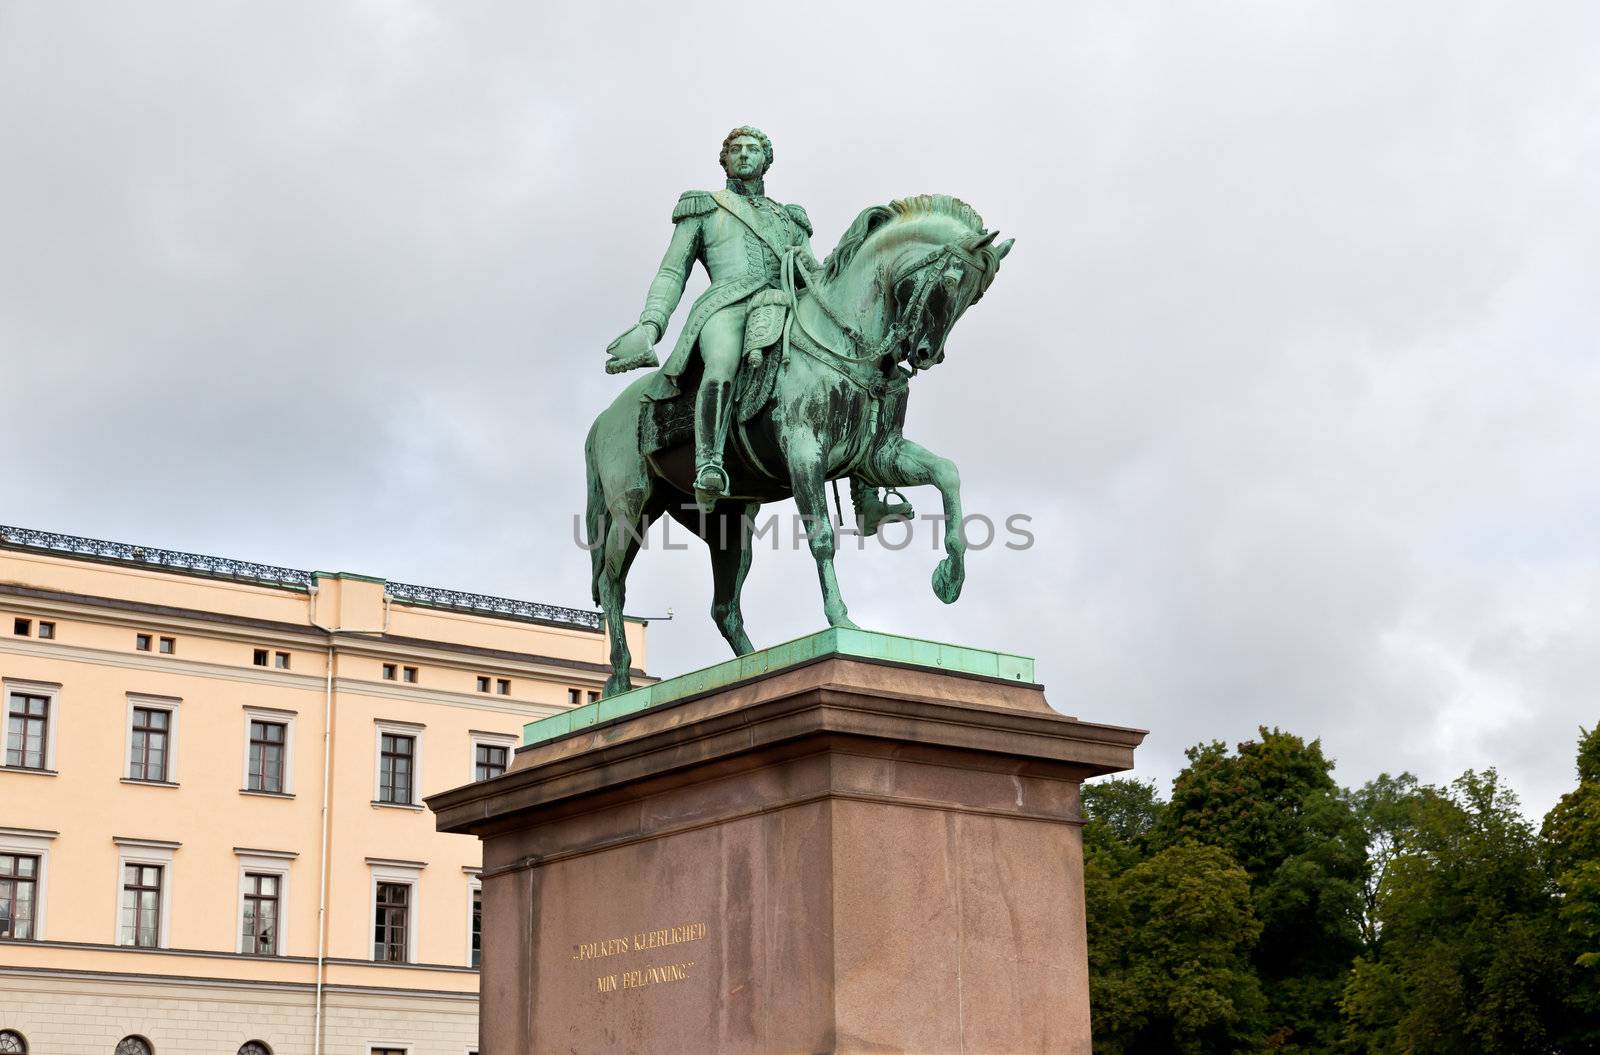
(713, 407)
(872, 511)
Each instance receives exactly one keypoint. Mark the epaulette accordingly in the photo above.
(693, 203)
(798, 215)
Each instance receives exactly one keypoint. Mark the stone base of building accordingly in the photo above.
(847, 855)
(88, 1014)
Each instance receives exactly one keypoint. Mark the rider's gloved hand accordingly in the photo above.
(633, 349)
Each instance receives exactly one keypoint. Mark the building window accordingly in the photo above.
(390, 672)
(574, 697)
(141, 906)
(11, 1041)
(259, 657)
(19, 896)
(408, 675)
(280, 660)
(477, 925)
(148, 744)
(28, 731)
(397, 755)
(254, 1047)
(267, 743)
(134, 1046)
(22, 627)
(390, 922)
(141, 642)
(490, 761)
(168, 646)
(47, 631)
(503, 686)
(594, 695)
(259, 933)
(483, 683)
(386, 1051)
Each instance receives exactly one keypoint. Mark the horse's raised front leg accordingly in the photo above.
(807, 477)
(913, 464)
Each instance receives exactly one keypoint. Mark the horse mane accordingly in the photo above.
(873, 216)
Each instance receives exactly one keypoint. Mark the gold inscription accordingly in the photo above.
(672, 972)
(655, 939)
(594, 950)
(642, 941)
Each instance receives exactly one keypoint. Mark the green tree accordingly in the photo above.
(1120, 815)
(1390, 810)
(1466, 956)
(1571, 837)
(1169, 970)
(1274, 808)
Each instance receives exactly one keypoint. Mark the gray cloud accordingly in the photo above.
(1292, 365)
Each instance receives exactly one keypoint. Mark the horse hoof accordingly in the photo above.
(947, 583)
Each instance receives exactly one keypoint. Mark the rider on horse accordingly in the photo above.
(739, 235)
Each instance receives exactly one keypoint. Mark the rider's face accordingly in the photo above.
(743, 158)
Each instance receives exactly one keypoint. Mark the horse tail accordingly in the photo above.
(597, 519)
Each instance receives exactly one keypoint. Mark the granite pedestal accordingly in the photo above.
(850, 843)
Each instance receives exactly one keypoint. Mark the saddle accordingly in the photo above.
(670, 422)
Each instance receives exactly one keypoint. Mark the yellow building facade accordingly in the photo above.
(212, 836)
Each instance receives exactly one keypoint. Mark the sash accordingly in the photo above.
(740, 208)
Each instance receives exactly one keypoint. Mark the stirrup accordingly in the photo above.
(704, 496)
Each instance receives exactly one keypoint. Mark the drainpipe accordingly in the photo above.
(327, 762)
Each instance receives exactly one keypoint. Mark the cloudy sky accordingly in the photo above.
(1294, 365)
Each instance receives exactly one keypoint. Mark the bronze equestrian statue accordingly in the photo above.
(788, 374)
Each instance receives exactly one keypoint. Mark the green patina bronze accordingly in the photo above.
(789, 374)
(836, 641)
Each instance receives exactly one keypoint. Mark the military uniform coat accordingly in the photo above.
(733, 236)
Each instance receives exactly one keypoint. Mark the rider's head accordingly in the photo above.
(746, 153)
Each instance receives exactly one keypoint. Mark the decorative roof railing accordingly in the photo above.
(293, 578)
(481, 602)
(177, 560)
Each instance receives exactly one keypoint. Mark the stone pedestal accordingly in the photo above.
(840, 854)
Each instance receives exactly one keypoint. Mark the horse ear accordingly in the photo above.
(1003, 248)
(983, 240)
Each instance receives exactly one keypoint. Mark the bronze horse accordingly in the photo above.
(828, 401)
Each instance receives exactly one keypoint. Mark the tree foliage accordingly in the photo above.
(1264, 909)
(1466, 956)
(1274, 807)
(1169, 966)
(1571, 837)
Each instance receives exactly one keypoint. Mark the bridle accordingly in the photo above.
(925, 272)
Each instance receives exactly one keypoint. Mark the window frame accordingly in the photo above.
(393, 727)
(146, 852)
(166, 645)
(502, 686)
(405, 873)
(482, 738)
(143, 701)
(46, 630)
(276, 863)
(51, 691)
(474, 887)
(410, 675)
(144, 642)
(32, 842)
(276, 716)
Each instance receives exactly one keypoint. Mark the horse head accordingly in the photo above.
(911, 269)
